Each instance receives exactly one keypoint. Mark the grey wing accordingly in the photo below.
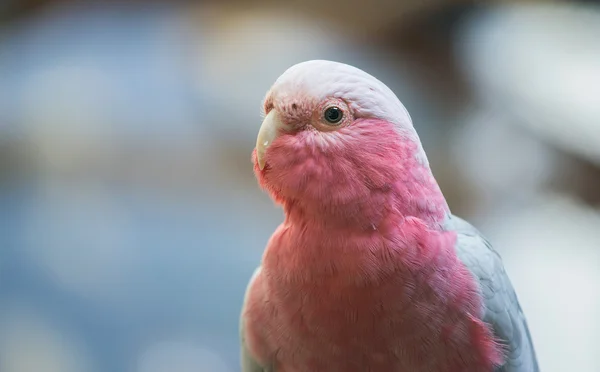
(502, 309)
(249, 364)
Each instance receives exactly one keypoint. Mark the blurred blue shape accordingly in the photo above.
(124, 268)
(118, 267)
(121, 62)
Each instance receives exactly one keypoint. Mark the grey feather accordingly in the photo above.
(249, 364)
(502, 309)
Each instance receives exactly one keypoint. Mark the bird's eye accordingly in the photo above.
(333, 115)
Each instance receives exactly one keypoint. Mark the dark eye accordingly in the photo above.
(333, 115)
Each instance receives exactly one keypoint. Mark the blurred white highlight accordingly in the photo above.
(29, 343)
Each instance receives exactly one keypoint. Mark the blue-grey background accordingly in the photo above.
(130, 220)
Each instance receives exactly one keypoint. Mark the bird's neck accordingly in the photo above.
(409, 195)
(306, 252)
(318, 241)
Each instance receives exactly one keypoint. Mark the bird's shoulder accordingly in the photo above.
(501, 305)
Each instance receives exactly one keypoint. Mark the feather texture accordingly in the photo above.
(501, 306)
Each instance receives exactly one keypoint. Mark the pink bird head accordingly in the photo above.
(335, 137)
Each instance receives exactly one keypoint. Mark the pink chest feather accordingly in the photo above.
(395, 299)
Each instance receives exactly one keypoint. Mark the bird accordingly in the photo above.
(369, 269)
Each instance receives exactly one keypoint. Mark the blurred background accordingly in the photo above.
(130, 220)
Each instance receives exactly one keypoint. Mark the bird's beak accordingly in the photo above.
(269, 131)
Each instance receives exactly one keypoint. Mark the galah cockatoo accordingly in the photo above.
(369, 271)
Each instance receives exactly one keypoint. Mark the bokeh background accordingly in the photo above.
(130, 220)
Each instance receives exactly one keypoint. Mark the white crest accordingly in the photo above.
(367, 96)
